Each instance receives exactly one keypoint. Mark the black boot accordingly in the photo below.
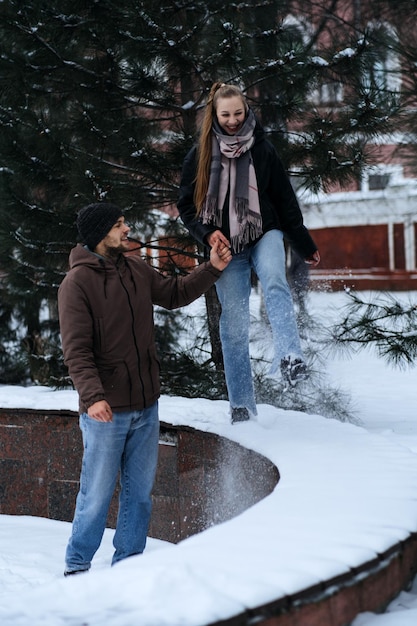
(239, 414)
(74, 572)
(293, 370)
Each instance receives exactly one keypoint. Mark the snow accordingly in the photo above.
(346, 492)
(347, 52)
(316, 60)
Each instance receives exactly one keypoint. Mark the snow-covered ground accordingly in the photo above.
(346, 493)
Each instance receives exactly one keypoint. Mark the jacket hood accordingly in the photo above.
(80, 255)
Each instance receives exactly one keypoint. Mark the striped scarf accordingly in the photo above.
(232, 169)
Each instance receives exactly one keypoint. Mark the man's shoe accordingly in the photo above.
(74, 572)
(240, 414)
(293, 370)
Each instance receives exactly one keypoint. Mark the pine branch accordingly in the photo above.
(385, 324)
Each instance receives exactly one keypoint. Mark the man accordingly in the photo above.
(106, 318)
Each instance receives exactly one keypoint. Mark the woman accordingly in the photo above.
(234, 190)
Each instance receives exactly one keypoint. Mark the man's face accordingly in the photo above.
(116, 239)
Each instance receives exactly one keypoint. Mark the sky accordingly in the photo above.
(347, 491)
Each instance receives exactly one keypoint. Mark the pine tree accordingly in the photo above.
(102, 100)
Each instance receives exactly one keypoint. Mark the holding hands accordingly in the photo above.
(220, 254)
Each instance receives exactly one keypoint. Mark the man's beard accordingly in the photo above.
(113, 252)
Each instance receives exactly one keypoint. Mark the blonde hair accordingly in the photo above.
(218, 90)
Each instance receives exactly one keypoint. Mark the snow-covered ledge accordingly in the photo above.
(335, 537)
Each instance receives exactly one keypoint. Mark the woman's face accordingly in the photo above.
(231, 114)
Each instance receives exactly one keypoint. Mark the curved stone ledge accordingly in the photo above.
(203, 479)
(337, 601)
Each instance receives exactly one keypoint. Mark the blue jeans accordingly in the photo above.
(128, 444)
(267, 259)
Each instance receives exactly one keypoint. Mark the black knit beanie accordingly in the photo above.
(95, 221)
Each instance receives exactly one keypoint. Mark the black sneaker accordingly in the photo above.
(240, 414)
(293, 370)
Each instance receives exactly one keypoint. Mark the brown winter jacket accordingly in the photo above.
(107, 327)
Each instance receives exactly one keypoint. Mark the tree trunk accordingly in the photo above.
(213, 309)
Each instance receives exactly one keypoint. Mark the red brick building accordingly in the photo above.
(367, 233)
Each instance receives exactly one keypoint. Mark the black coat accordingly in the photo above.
(278, 202)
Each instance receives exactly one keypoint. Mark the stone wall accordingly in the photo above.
(202, 478)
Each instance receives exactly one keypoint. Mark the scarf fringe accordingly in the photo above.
(211, 212)
(242, 209)
(250, 229)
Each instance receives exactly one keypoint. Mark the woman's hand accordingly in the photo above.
(220, 255)
(314, 259)
(217, 235)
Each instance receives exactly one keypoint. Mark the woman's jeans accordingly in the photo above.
(130, 444)
(267, 258)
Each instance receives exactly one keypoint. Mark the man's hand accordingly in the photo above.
(100, 411)
(220, 255)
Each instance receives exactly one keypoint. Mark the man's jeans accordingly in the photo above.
(130, 444)
(267, 258)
